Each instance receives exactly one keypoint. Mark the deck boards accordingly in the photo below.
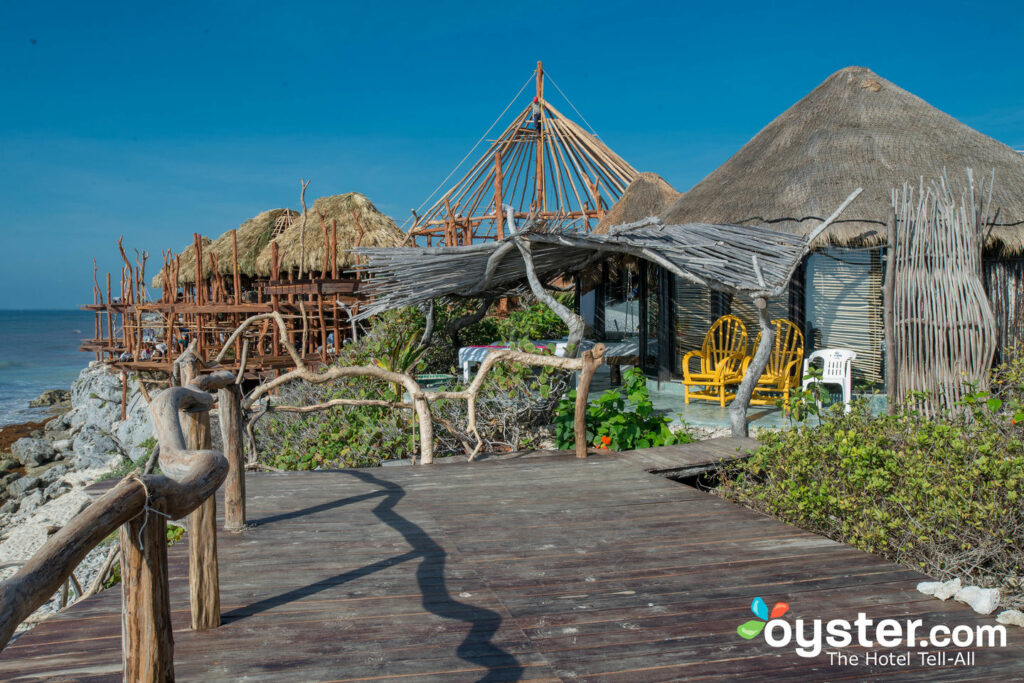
(546, 568)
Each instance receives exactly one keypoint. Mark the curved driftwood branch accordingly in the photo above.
(419, 400)
(573, 321)
(740, 404)
(193, 477)
(43, 574)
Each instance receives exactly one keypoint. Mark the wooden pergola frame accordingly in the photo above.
(550, 170)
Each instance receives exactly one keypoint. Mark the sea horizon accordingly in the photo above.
(38, 352)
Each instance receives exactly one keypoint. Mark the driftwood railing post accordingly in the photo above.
(230, 400)
(203, 572)
(146, 612)
(740, 404)
(591, 360)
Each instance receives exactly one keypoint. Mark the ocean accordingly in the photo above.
(38, 351)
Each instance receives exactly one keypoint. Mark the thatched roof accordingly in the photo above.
(855, 129)
(253, 236)
(352, 211)
(732, 258)
(186, 264)
(648, 195)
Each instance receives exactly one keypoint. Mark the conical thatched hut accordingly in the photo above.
(253, 236)
(359, 223)
(854, 130)
(648, 195)
(187, 265)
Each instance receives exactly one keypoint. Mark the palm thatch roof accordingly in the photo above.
(359, 224)
(253, 236)
(856, 128)
(187, 264)
(648, 195)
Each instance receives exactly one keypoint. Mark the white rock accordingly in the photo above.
(31, 501)
(943, 590)
(981, 600)
(62, 445)
(948, 589)
(1011, 617)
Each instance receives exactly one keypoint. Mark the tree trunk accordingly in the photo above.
(740, 405)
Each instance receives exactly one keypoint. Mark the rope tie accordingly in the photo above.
(146, 509)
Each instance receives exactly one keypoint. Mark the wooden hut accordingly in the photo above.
(280, 260)
(855, 129)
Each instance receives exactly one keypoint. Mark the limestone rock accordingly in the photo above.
(1011, 617)
(20, 487)
(30, 502)
(51, 397)
(53, 474)
(943, 590)
(55, 489)
(32, 452)
(63, 445)
(8, 507)
(981, 600)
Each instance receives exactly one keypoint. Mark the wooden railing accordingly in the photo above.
(141, 506)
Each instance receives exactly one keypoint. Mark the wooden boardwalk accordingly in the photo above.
(547, 568)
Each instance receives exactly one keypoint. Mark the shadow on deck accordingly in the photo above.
(532, 568)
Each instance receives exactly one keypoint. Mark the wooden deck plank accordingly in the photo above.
(541, 568)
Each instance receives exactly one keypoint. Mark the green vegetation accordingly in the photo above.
(512, 402)
(614, 425)
(942, 495)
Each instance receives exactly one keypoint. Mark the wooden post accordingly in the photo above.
(591, 360)
(275, 274)
(740, 404)
(124, 396)
(147, 641)
(230, 400)
(234, 267)
(499, 225)
(889, 315)
(538, 179)
(203, 572)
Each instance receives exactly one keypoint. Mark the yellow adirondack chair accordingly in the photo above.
(785, 364)
(721, 355)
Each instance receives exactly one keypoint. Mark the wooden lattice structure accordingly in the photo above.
(943, 329)
(543, 165)
(298, 265)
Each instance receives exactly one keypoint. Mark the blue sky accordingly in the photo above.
(155, 120)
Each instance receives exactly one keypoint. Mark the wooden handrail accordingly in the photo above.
(140, 505)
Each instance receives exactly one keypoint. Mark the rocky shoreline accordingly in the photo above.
(45, 467)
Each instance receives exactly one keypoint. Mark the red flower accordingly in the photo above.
(606, 440)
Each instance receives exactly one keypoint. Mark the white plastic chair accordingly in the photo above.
(836, 371)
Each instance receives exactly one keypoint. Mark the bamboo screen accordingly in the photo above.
(944, 330)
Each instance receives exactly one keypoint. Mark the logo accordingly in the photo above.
(752, 628)
(812, 637)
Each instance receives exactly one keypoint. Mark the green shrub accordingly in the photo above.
(942, 495)
(614, 425)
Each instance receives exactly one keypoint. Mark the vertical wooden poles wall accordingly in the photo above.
(203, 571)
